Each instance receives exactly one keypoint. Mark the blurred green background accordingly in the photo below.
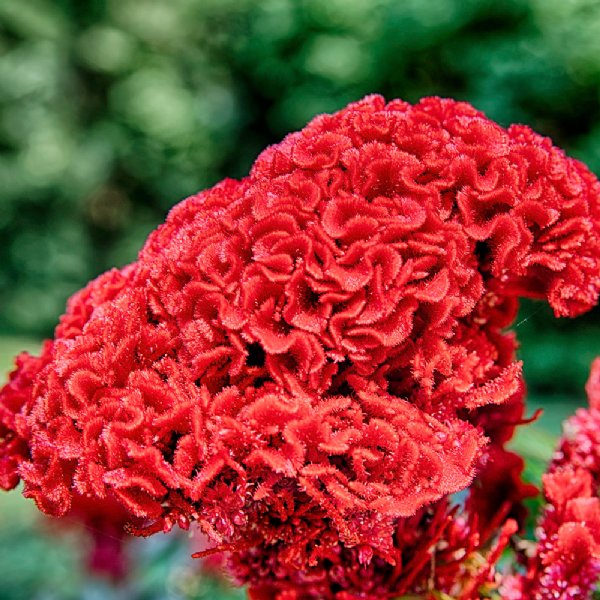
(113, 110)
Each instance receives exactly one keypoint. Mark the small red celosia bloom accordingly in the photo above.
(307, 358)
(580, 444)
(566, 561)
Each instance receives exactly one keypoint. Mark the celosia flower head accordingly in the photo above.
(315, 352)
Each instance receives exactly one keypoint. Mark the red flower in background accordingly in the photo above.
(313, 359)
(566, 562)
(580, 444)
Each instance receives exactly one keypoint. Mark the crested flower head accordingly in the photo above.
(319, 347)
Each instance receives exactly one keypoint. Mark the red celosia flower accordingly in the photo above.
(315, 352)
(580, 444)
(566, 564)
(104, 522)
